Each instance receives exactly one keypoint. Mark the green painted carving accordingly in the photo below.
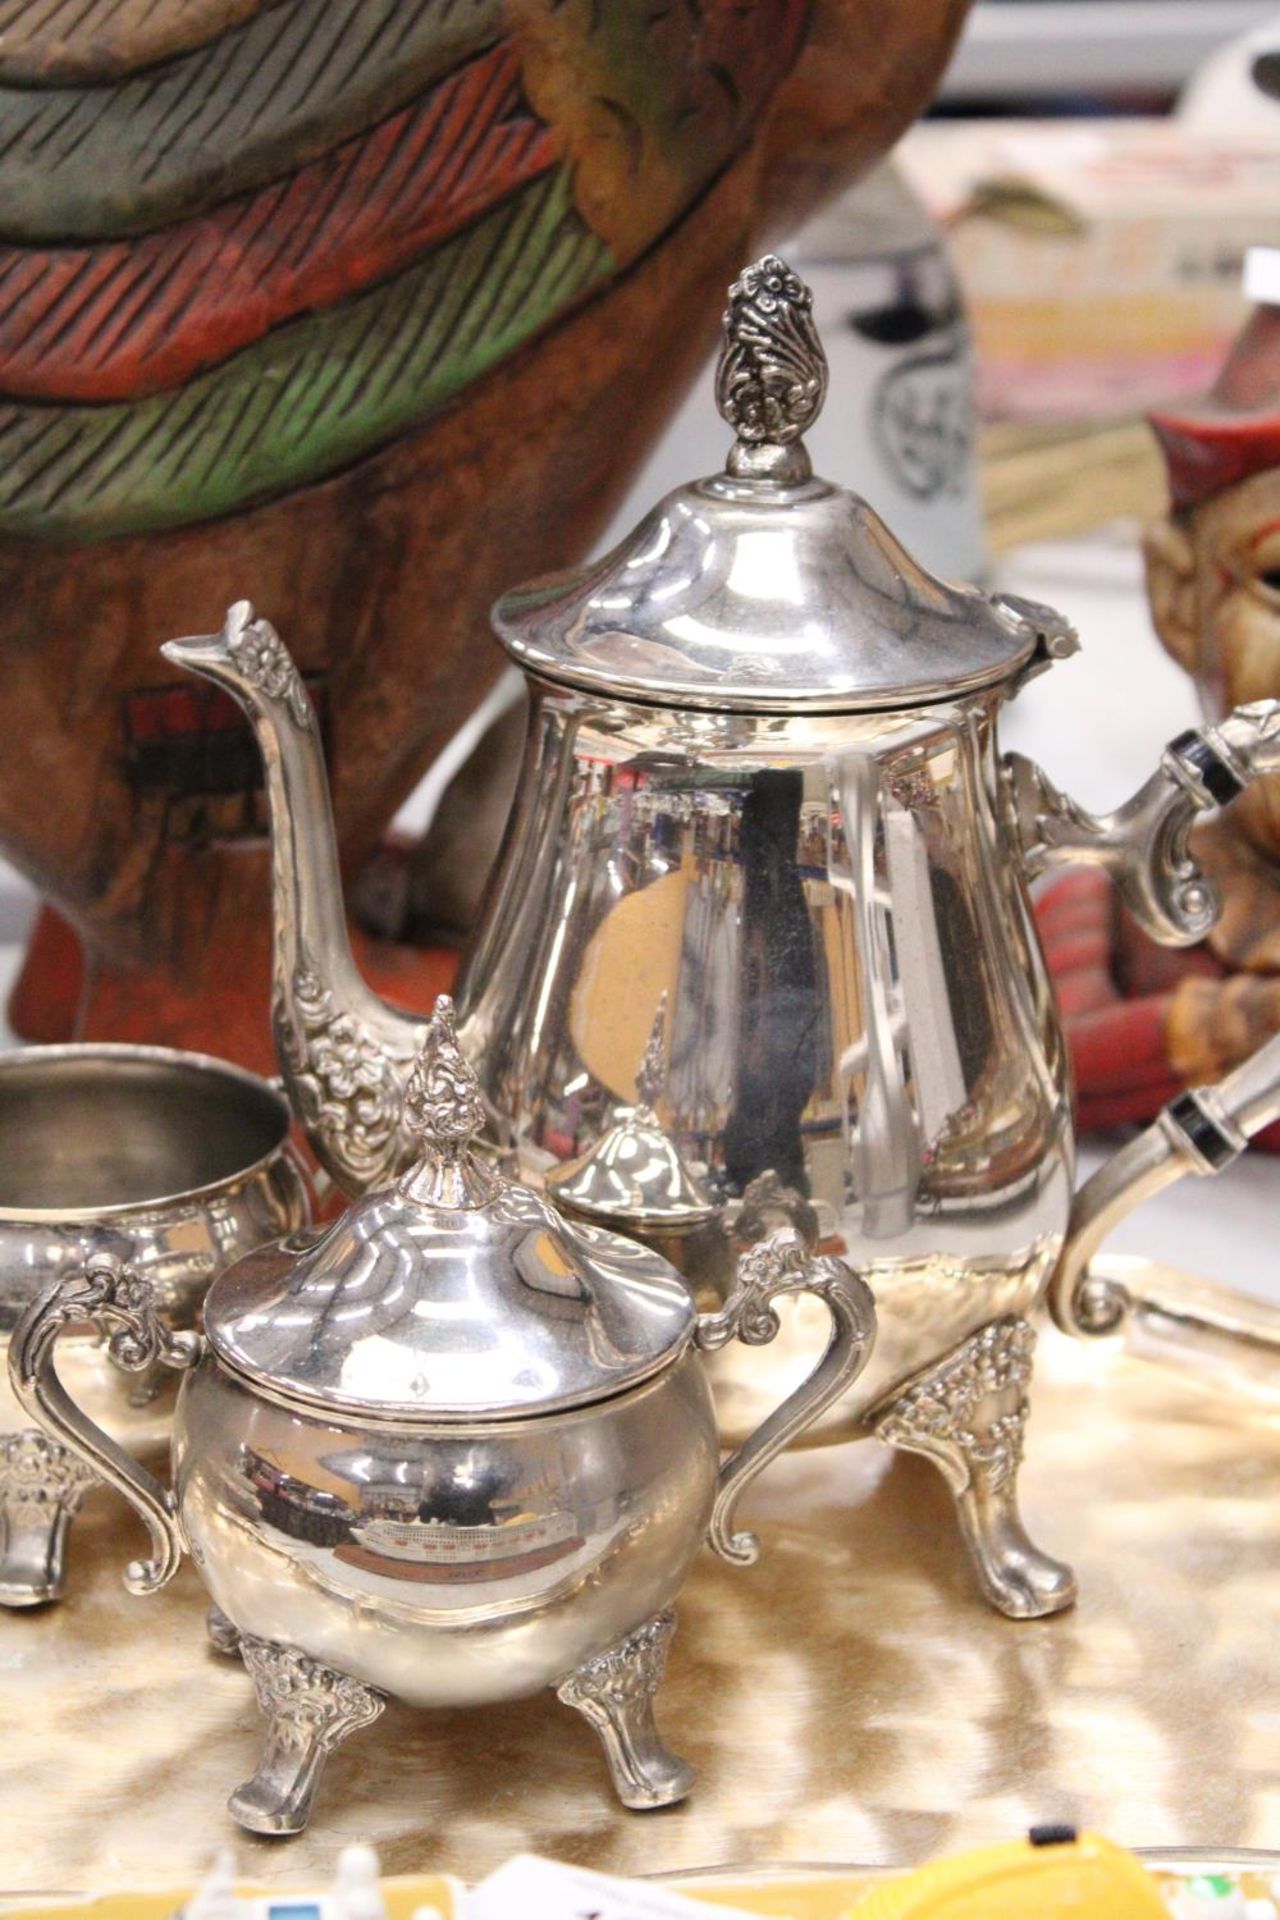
(309, 398)
(88, 162)
(137, 314)
(49, 43)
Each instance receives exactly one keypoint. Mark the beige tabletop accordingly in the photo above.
(849, 1698)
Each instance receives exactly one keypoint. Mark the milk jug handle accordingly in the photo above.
(112, 1296)
(1143, 845)
(1200, 1132)
(779, 1265)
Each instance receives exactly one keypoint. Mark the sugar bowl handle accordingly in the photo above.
(1143, 845)
(108, 1294)
(783, 1264)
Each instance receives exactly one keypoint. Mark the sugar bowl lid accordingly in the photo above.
(765, 588)
(455, 1294)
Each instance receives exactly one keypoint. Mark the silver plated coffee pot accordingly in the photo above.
(454, 1449)
(763, 791)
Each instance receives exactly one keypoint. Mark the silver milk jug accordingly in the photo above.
(765, 837)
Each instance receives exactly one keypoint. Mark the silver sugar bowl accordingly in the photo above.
(454, 1450)
(171, 1161)
(764, 796)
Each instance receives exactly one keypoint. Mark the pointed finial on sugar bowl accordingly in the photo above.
(771, 379)
(444, 1107)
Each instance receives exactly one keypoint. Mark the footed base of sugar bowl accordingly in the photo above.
(310, 1708)
(615, 1693)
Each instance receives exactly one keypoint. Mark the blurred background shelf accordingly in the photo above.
(1013, 48)
(1054, 482)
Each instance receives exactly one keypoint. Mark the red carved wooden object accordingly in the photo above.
(362, 310)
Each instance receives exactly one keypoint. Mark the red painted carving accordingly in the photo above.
(130, 317)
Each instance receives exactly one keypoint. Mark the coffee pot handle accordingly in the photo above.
(1143, 845)
(1200, 1132)
(108, 1294)
(779, 1265)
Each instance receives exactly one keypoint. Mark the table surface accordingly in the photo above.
(848, 1698)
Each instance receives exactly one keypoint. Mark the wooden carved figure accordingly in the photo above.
(363, 309)
(1145, 1022)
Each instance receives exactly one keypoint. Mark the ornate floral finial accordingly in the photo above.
(772, 376)
(652, 1077)
(443, 1104)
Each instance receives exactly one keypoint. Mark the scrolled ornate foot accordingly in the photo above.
(224, 1635)
(42, 1486)
(615, 1693)
(968, 1414)
(309, 1709)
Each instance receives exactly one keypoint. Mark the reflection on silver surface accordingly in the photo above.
(635, 1180)
(888, 1050)
(635, 1170)
(303, 1526)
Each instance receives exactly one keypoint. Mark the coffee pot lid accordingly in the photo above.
(765, 588)
(456, 1294)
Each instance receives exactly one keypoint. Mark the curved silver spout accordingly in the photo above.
(344, 1054)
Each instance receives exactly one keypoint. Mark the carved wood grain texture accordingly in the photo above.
(379, 577)
(380, 574)
(51, 43)
(651, 99)
(131, 317)
(266, 96)
(310, 397)
(175, 431)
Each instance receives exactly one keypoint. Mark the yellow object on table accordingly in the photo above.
(1081, 1878)
(1086, 1879)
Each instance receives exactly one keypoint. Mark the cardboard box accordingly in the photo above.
(1101, 260)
